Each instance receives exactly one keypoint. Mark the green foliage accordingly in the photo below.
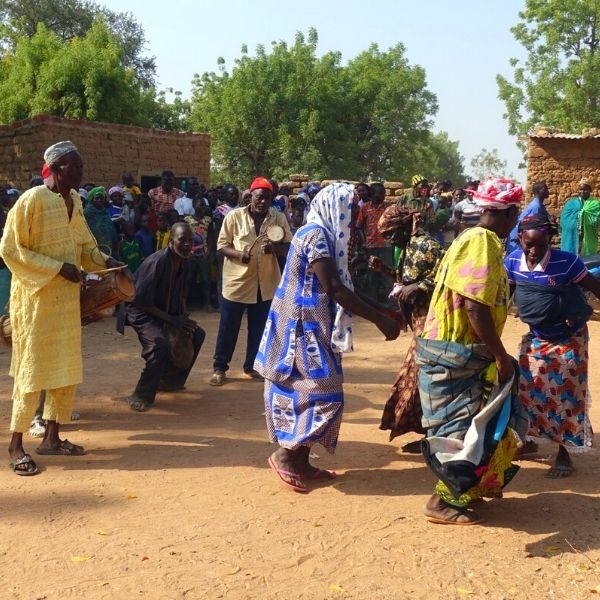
(70, 19)
(82, 78)
(559, 82)
(438, 157)
(487, 163)
(289, 110)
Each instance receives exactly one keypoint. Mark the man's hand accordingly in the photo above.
(244, 256)
(408, 292)
(112, 263)
(184, 323)
(70, 273)
(266, 248)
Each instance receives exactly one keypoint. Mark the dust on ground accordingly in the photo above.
(179, 502)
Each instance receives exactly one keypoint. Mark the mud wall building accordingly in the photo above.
(562, 160)
(107, 150)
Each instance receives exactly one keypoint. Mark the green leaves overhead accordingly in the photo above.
(558, 83)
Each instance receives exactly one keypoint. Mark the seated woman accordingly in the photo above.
(553, 356)
(413, 289)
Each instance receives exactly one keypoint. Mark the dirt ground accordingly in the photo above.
(179, 502)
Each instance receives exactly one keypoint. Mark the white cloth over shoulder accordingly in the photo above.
(331, 208)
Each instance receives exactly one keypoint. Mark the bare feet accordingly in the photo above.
(438, 511)
(563, 465)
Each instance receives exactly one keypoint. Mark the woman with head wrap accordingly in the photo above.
(308, 329)
(553, 356)
(467, 380)
(414, 286)
(571, 221)
(97, 216)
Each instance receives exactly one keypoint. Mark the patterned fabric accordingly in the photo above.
(554, 388)
(102, 227)
(331, 209)
(466, 412)
(44, 307)
(402, 412)
(420, 263)
(163, 201)
(368, 218)
(303, 388)
(472, 268)
(498, 473)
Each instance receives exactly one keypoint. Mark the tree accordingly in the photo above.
(391, 112)
(82, 78)
(438, 158)
(487, 163)
(291, 111)
(70, 19)
(558, 84)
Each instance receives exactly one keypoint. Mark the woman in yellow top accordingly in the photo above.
(466, 377)
(45, 245)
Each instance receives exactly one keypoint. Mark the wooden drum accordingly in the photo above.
(107, 291)
(111, 289)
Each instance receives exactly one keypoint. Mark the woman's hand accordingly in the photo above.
(389, 327)
(408, 292)
(506, 368)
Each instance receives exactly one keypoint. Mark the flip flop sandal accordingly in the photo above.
(25, 460)
(321, 474)
(281, 472)
(65, 448)
(37, 427)
(139, 405)
(557, 471)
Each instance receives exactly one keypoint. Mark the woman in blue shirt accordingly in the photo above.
(553, 356)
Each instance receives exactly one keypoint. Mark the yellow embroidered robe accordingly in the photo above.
(45, 307)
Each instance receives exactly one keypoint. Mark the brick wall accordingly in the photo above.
(107, 150)
(562, 162)
(393, 189)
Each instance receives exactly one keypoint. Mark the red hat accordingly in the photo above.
(261, 183)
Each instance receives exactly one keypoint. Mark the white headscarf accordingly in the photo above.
(57, 151)
(331, 208)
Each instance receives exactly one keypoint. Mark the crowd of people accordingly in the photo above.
(443, 262)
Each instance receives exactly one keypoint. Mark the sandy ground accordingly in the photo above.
(179, 502)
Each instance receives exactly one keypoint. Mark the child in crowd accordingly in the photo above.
(145, 237)
(297, 216)
(129, 250)
(145, 208)
(131, 191)
(162, 234)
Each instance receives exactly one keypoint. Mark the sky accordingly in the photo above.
(462, 45)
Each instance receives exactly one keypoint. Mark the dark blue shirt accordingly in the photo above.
(146, 242)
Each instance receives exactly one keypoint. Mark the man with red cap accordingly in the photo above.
(250, 275)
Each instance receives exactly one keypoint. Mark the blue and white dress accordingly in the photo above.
(306, 332)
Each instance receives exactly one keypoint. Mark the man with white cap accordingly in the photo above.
(46, 243)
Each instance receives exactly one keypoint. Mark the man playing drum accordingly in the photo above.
(45, 245)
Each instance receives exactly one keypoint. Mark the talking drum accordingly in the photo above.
(97, 295)
(112, 288)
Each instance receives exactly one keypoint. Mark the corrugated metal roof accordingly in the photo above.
(563, 136)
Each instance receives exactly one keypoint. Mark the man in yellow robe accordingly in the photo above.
(45, 245)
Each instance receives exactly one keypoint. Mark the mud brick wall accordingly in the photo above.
(107, 150)
(393, 189)
(562, 163)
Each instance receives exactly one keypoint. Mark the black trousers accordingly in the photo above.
(156, 351)
(229, 328)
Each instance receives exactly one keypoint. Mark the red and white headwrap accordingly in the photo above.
(498, 193)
